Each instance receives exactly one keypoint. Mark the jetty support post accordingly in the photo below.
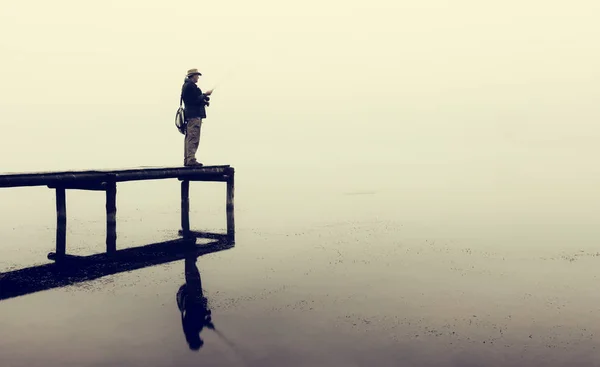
(185, 208)
(111, 217)
(230, 207)
(61, 222)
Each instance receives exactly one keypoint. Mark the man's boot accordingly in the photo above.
(193, 164)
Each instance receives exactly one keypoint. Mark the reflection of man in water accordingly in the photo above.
(195, 314)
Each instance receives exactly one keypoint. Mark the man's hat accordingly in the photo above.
(193, 72)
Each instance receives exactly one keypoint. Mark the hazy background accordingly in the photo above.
(500, 87)
(412, 177)
(487, 108)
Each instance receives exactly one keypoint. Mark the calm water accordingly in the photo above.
(385, 267)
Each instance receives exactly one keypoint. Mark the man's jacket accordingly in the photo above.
(194, 100)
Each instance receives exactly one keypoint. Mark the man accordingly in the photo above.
(195, 110)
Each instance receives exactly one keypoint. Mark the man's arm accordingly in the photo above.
(193, 95)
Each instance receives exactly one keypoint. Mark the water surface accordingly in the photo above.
(351, 274)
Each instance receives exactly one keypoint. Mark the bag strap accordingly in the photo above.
(181, 97)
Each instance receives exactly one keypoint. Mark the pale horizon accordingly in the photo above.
(326, 81)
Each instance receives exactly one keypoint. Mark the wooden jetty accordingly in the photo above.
(106, 180)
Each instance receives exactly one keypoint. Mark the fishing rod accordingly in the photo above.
(222, 79)
(229, 343)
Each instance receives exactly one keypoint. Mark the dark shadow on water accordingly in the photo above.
(75, 269)
(195, 314)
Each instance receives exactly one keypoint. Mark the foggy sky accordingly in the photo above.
(486, 83)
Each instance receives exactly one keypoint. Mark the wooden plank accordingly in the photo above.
(205, 178)
(137, 175)
(76, 178)
(200, 234)
(112, 170)
(61, 222)
(64, 258)
(185, 207)
(111, 217)
(230, 208)
(50, 179)
(95, 186)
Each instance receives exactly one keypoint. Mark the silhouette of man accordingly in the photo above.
(195, 111)
(195, 314)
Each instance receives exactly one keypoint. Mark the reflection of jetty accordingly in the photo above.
(107, 180)
(76, 269)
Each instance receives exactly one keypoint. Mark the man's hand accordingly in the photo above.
(208, 92)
